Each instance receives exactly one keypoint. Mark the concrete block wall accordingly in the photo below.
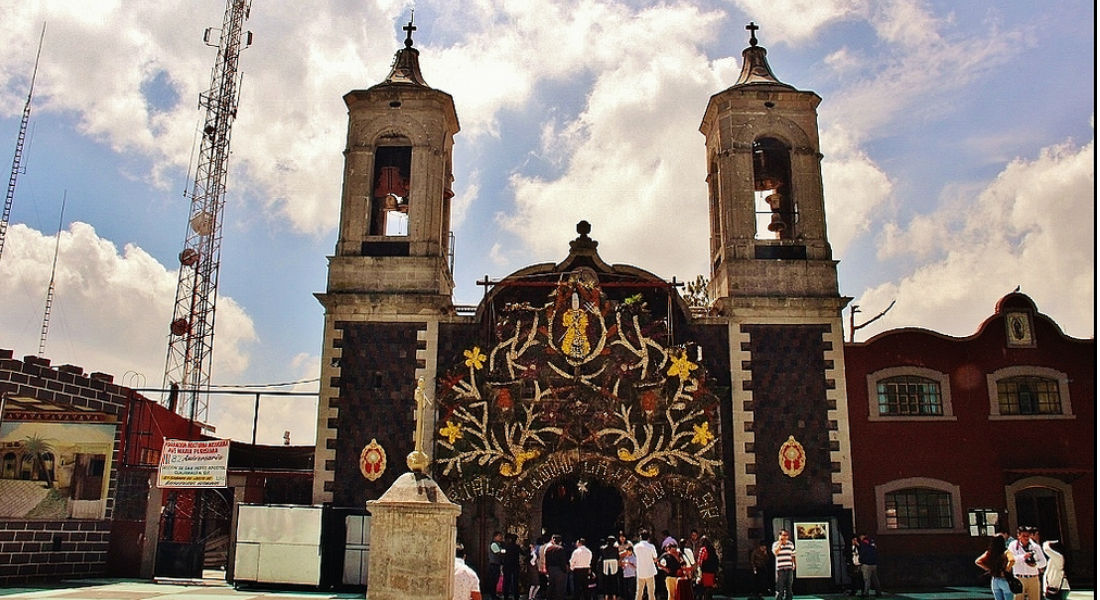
(34, 549)
(37, 550)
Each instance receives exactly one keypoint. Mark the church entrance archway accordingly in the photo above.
(578, 506)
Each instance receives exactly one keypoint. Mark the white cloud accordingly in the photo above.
(920, 70)
(234, 414)
(108, 307)
(633, 158)
(1032, 226)
(794, 21)
(855, 188)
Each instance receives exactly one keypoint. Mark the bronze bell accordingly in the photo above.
(777, 224)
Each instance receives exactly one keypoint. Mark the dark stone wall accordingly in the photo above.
(36, 550)
(788, 386)
(456, 337)
(377, 384)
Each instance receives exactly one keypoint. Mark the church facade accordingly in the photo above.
(586, 398)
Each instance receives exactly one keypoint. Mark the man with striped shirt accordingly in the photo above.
(783, 549)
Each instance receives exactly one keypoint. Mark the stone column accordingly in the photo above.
(412, 548)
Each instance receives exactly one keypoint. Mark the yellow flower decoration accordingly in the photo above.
(474, 358)
(452, 432)
(682, 366)
(508, 470)
(702, 436)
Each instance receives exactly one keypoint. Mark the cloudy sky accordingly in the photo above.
(959, 143)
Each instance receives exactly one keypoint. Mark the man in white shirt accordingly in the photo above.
(466, 584)
(646, 556)
(1029, 565)
(580, 565)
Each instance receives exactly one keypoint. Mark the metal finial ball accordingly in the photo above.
(584, 228)
(418, 461)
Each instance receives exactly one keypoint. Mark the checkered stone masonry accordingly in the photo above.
(378, 368)
(788, 383)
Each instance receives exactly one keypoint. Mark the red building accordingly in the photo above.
(953, 438)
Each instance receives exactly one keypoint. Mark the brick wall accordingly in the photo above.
(30, 549)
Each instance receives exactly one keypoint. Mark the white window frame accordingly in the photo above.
(1017, 371)
(957, 521)
(942, 379)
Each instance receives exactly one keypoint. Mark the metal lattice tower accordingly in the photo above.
(192, 329)
(20, 139)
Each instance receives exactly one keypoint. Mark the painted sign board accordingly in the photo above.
(193, 464)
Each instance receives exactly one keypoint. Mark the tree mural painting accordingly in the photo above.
(583, 374)
(39, 451)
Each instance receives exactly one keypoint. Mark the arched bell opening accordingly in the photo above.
(390, 185)
(776, 210)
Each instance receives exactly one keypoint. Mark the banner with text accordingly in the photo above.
(193, 464)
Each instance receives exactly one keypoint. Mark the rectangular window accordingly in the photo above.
(1028, 395)
(918, 508)
(909, 396)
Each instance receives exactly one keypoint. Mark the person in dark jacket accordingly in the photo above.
(557, 567)
(509, 567)
(868, 565)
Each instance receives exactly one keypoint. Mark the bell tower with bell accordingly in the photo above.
(774, 281)
(389, 281)
(767, 208)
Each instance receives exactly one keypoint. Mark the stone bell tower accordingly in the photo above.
(389, 282)
(774, 280)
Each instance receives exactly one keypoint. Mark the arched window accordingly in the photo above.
(1027, 392)
(909, 395)
(10, 462)
(1028, 395)
(776, 210)
(919, 505)
(390, 185)
(918, 508)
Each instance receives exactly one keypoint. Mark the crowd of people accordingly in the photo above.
(1020, 568)
(1024, 568)
(618, 568)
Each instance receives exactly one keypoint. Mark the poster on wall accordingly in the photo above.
(55, 470)
(812, 543)
(193, 464)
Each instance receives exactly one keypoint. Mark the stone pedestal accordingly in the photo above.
(413, 529)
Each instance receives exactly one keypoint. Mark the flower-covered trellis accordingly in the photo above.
(580, 373)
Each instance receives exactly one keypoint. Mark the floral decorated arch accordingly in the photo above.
(579, 382)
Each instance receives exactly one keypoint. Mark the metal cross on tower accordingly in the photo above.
(192, 329)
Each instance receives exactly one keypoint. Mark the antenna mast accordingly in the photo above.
(192, 328)
(49, 289)
(15, 162)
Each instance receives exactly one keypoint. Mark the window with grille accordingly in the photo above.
(918, 508)
(1028, 395)
(909, 395)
